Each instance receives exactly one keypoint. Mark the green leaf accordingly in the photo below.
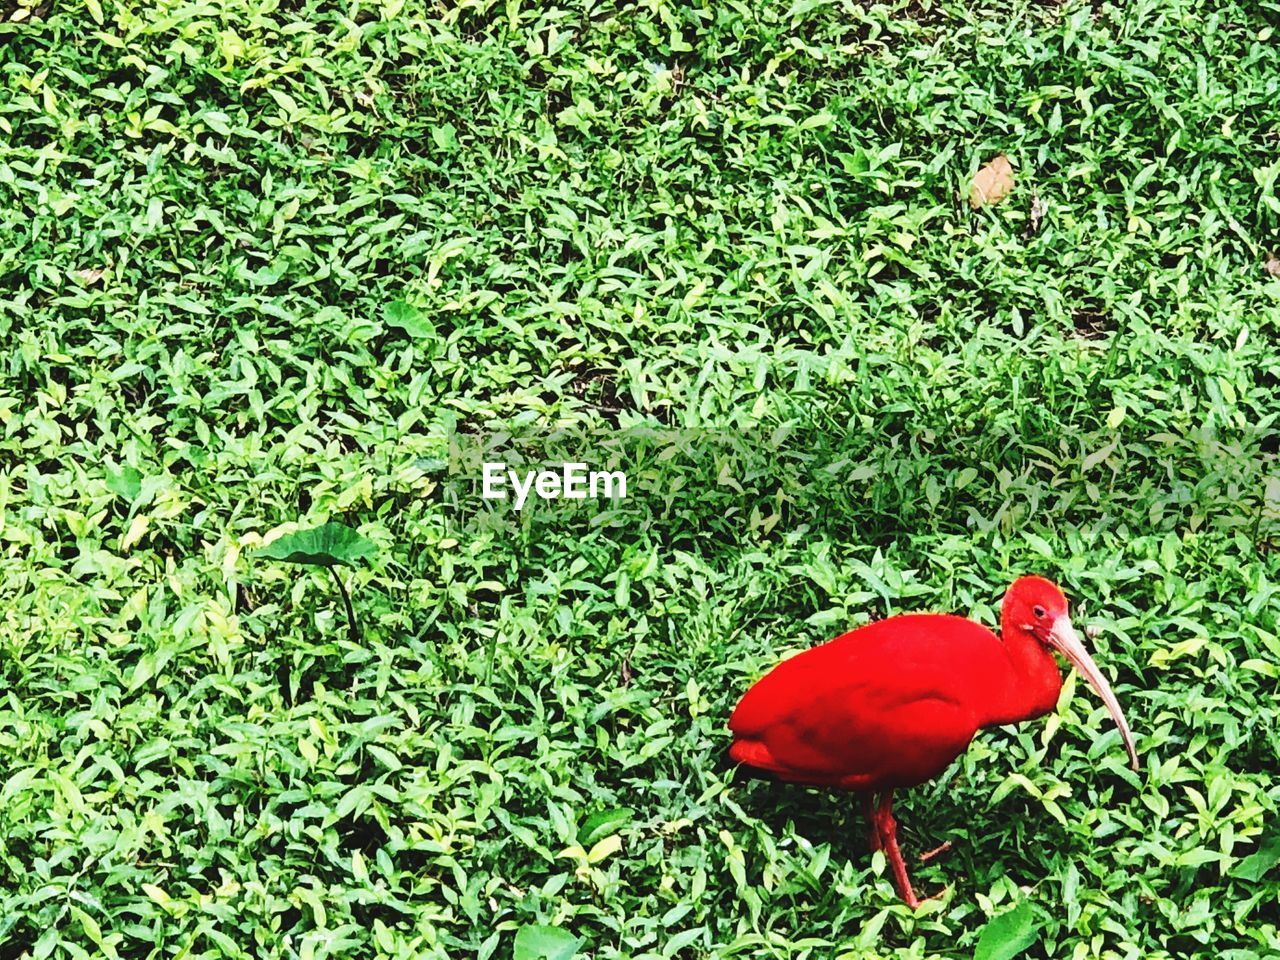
(124, 481)
(408, 318)
(1038, 544)
(600, 825)
(1254, 866)
(445, 137)
(326, 546)
(538, 942)
(1006, 936)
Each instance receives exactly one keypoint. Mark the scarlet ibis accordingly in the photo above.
(892, 703)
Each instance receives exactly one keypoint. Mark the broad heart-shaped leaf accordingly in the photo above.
(537, 942)
(1260, 861)
(326, 546)
(124, 481)
(1006, 936)
(408, 318)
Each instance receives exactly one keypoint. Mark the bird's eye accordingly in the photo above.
(1038, 611)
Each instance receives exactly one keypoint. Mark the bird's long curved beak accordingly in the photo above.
(1066, 641)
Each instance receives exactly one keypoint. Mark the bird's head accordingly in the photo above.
(1037, 607)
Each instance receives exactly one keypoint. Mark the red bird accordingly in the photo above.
(892, 703)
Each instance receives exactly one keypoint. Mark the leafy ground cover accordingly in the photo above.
(264, 263)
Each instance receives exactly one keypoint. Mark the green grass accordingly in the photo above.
(331, 237)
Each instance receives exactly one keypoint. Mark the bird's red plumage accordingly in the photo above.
(893, 703)
(890, 704)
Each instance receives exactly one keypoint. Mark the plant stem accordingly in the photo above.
(353, 632)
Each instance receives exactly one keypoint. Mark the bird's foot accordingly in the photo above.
(937, 851)
(915, 902)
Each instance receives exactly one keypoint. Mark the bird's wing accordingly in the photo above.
(867, 746)
(871, 709)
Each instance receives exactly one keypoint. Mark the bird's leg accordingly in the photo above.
(888, 828)
(873, 825)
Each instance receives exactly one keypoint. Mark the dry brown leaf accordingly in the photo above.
(992, 183)
(89, 276)
(1272, 265)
